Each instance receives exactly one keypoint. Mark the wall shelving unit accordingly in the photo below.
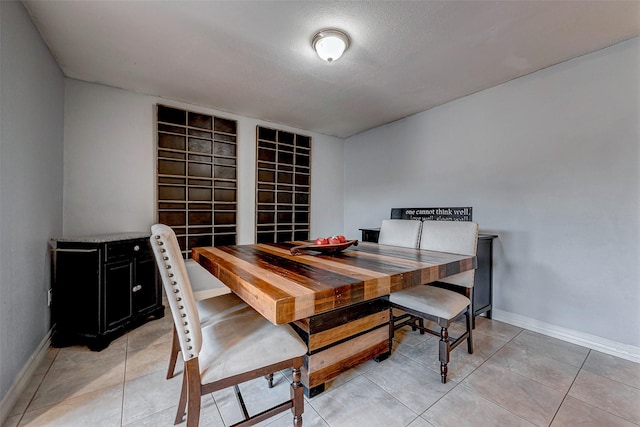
(197, 177)
(283, 185)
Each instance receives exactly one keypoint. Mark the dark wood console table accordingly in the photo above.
(483, 284)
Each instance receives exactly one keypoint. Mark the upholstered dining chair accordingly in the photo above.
(400, 232)
(235, 348)
(435, 303)
(206, 287)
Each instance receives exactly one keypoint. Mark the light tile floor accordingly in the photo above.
(514, 378)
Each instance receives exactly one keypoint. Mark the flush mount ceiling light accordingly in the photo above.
(330, 44)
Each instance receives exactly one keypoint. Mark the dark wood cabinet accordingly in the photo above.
(102, 286)
(483, 283)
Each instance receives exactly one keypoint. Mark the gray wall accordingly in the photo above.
(109, 158)
(550, 162)
(31, 138)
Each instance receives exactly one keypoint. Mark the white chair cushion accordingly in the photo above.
(244, 343)
(400, 232)
(432, 300)
(458, 237)
(204, 284)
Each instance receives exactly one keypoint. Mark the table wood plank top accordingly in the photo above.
(285, 287)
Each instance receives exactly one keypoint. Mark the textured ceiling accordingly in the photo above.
(254, 58)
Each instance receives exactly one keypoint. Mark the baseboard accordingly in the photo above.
(22, 379)
(603, 345)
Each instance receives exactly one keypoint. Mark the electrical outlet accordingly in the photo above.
(49, 298)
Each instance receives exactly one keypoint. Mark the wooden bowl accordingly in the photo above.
(324, 249)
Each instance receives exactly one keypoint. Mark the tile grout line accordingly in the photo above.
(26, 408)
(564, 393)
(124, 381)
(459, 383)
(569, 388)
(478, 367)
(600, 376)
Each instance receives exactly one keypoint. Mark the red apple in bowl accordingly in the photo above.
(321, 241)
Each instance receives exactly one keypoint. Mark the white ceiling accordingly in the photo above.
(254, 58)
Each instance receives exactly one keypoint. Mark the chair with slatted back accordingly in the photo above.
(400, 232)
(435, 303)
(236, 348)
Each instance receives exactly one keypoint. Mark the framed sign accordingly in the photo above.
(433, 214)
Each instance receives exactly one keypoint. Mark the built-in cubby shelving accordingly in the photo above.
(283, 185)
(197, 177)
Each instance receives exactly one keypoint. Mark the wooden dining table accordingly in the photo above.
(338, 302)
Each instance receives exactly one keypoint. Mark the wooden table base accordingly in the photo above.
(341, 339)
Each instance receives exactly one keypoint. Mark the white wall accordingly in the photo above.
(109, 165)
(550, 162)
(31, 100)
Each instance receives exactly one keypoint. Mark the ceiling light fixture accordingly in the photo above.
(330, 44)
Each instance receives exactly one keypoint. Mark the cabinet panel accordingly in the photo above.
(75, 294)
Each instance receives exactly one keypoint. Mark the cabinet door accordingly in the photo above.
(118, 279)
(146, 293)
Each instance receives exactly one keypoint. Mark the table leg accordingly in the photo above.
(342, 339)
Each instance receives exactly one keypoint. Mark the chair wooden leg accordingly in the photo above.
(443, 372)
(469, 316)
(297, 396)
(182, 403)
(443, 352)
(269, 379)
(173, 357)
(192, 372)
(414, 323)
